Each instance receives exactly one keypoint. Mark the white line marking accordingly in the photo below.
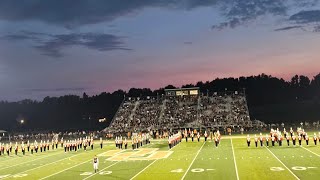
(63, 170)
(45, 156)
(102, 170)
(310, 151)
(234, 160)
(45, 165)
(143, 169)
(192, 162)
(283, 164)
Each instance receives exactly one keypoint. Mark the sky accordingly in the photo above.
(54, 48)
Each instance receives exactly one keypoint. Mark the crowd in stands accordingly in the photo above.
(123, 115)
(146, 115)
(174, 112)
(228, 110)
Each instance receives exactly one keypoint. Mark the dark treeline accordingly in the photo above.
(270, 99)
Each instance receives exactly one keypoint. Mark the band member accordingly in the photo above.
(293, 139)
(288, 140)
(307, 139)
(248, 140)
(2, 148)
(216, 140)
(41, 146)
(125, 143)
(315, 138)
(186, 134)
(140, 140)
(10, 146)
(261, 140)
(65, 147)
(16, 149)
(28, 145)
(8, 149)
(205, 135)
(48, 145)
(75, 145)
(291, 132)
(267, 140)
(299, 139)
(52, 144)
(56, 142)
(304, 134)
(192, 135)
(95, 164)
(280, 140)
(101, 143)
(91, 143)
(36, 146)
(32, 148)
(133, 143)
(272, 139)
(169, 142)
(85, 143)
(23, 148)
(256, 140)
(121, 142)
(61, 142)
(198, 136)
(116, 141)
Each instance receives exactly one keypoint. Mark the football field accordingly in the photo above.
(188, 160)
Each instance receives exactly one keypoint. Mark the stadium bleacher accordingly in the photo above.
(174, 112)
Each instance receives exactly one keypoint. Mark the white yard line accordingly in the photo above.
(64, 170)
(102, 170)
(122, 161)
(29, 161)
(193, 161)
(311, 151)
(45, 165)
(151, 164)
(143, 170)
(282, 163)
(234, 160)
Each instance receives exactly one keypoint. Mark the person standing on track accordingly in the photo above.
(95, 164)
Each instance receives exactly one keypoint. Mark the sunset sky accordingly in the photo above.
(58, 47)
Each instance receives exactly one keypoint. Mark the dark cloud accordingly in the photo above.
(238, 12)
(288, 28)
(52, 45)
(70, 13)
(187, 42)
(303, 17)
(79, 89)
(316, 28)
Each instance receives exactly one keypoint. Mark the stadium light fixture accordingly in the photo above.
(21, 121)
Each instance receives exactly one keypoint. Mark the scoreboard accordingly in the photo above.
(194, 91)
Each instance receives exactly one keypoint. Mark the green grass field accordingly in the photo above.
(188, 160)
